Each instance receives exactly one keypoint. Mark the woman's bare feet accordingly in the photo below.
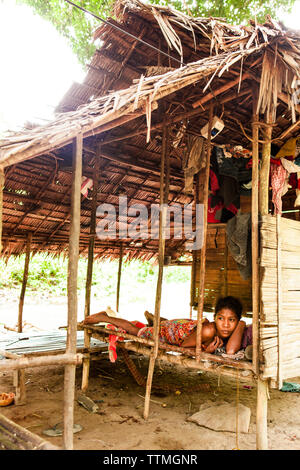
(96, 318)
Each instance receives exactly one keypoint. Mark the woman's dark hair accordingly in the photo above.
(229, 302)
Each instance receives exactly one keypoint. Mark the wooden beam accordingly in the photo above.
(12, 434)
(172, 120)
(265, 169)
(204, 178)
(161, 254)
(222, 89)
(262, 415)
(262, 398)
(119, 277)
(28, 362)
(89, 274)
(254, 231)
(24, 282)
(69, 379)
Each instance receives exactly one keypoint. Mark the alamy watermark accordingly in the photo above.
(139, 222)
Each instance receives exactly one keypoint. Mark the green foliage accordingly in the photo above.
(78, 27)
(48, 275)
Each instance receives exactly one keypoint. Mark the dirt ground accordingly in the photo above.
(119, 425)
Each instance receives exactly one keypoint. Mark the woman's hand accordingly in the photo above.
(213, 346)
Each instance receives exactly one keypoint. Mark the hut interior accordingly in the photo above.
(183, 111)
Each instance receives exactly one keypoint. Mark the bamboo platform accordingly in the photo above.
(39, 343)
(15, 437)
(176, 355)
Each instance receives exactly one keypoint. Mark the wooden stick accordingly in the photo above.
(13, 433)
(28, 362)
(99, 333)
(225, 87)
(89, 274)
(265, 170)
(254, 230)
(119, 277)
(24, 283)
(161, 254)
(174, 119)
(262, 386)
(69, 380)
(205, 177)
(262, 415)
(220, 369)
(20, 388)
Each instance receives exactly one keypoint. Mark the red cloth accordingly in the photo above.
(112, 339)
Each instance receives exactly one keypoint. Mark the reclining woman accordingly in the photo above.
(227, 330)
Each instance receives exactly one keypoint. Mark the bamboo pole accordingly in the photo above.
(89, 274)
(261, 415)
(262, 386)
(53, 359)
(24, 282)
(205, 178)
(119, 277)
(265, 169)
(69, 381)
(161, 254)
(18, 438)
(254, 232)
(222, 89)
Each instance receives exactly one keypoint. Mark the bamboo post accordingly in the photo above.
(254, 233)
(24, 283)
(28, 362)
(119, 277)
(265, 169)
(89, 275)
(262, 386)
(262, 415)
(19, 384)
(161, 254)
(69, 379)
(204, 175)
(2, 180)
(15, 437)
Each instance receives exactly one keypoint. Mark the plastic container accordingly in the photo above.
(217, 127)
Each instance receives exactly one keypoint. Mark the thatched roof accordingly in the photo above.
(224, 63)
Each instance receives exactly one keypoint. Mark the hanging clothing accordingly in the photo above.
(279, 183)
(86, 185)
(195, 161)
(289, 165)
(297, 200)
(112, 339)
(288, 149)
(238, 230)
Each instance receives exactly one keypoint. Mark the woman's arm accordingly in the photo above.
(208, 333)
(235, 341)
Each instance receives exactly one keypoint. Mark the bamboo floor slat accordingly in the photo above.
(175, 354)
(42, 342)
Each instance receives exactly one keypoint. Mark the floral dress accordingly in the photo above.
(171, 331)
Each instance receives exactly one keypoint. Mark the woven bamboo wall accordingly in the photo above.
(222, 276)
(280, 299)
